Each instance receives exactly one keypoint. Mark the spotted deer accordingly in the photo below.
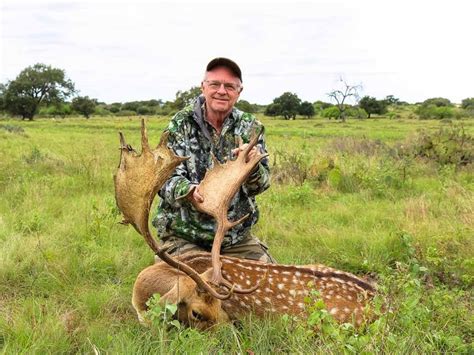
(204, 296)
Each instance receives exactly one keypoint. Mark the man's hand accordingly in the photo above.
(251, 154)
(194, 194)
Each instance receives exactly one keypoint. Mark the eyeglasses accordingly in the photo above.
(229, 87)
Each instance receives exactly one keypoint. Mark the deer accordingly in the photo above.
(208, 288)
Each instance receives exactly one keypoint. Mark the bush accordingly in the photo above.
(448, 145)
(330, 112)
(123, 113)
(145, 110)
(355, 112)
(435, 112)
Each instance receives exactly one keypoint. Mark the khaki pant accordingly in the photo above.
(249, 248)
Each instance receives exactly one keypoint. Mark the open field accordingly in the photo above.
(342, 195)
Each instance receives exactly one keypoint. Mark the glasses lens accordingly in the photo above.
(216, 85)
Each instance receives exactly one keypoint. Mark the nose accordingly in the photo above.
(222, 90)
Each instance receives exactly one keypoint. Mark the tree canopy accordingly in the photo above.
(35, 85)
(286, 105)
(372, 105)
(306, 109)
(84, 105)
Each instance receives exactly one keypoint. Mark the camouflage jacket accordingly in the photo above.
(191, 135)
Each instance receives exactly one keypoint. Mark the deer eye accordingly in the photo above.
(197, 316)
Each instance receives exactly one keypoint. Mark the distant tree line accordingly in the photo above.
(44, 90)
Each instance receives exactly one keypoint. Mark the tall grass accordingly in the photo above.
(341, 195)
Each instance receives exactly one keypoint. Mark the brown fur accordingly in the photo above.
(282, 290)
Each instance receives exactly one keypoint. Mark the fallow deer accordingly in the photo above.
(184, 280)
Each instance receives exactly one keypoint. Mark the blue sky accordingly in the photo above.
(139, 50)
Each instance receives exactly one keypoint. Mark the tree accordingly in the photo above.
(341, 95)
(246, 106)
(391, 100)
(184, 98)
(468, 103)
(84, 105)
(372, 105)
(273, 110)
(287, 105)
(35, 85)
(438, 102)
(306, 109)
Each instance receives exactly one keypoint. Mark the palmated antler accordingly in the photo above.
(219, 186)
(138, 179)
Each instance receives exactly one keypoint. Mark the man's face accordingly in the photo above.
(221, 88)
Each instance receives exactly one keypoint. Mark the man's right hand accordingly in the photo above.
(194, 194)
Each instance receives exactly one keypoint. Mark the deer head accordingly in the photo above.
(219, 186)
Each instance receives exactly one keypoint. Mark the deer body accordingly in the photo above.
(282, 290)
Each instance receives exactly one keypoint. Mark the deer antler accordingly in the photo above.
(138, 179)
(219, 186)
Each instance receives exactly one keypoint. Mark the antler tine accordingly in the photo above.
(253, 143)
(123, 144)
(145, 145)
(163, 140)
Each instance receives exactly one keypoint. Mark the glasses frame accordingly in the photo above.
(231, 87)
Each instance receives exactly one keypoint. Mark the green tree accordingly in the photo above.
(184, 98)
(130, 106)
(391, 100)
(246, 106)
(306, 109)
(468, 103)
(372, 105)
(340, 95)
(438, 102)
(84, 105)
(272, 110)
(114, 107)
(286, 105)
(34, 86)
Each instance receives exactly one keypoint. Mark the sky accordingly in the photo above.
(117, 51)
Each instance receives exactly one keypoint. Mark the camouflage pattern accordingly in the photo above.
(191, 135)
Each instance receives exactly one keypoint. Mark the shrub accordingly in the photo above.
(330, 112)
(448, 145)
(145, 110)
(356, 112)
(126, 113)
(435, 112)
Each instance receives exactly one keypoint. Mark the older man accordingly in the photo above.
(211, 124)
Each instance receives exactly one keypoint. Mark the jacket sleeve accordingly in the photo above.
(259, 180)
(178, 185)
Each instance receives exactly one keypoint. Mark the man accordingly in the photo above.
(211, 124)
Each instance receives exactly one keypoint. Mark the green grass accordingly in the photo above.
(342, 198)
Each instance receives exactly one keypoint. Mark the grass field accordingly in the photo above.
(342, 195)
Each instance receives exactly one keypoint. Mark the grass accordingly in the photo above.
(340, 197)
